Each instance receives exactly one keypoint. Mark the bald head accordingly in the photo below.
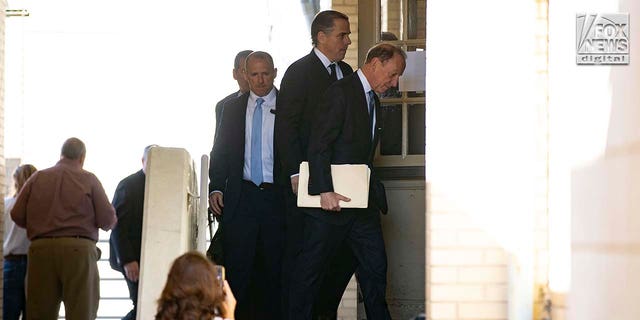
(73, 149)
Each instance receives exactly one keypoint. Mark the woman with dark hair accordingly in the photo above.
(193, 291)
(15, 247)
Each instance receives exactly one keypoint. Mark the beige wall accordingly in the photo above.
(486, 158)
(594, 172)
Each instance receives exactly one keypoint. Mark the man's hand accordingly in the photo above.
(215, 201)
(330, 201)
(132, 271)
(294, 184)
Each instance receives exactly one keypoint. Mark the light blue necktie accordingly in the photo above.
(256, 144)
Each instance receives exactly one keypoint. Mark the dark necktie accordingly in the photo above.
(333, 75)
(372, 106)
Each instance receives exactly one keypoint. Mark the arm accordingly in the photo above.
(219, 160)
(328, 119)
(219, 114)
(219, 107)
(105, 214)
(122, 231)
(19, 211)
(291, 104)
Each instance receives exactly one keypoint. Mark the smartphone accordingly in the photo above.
(220, 275)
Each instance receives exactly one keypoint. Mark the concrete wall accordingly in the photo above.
(595, 169)
(404, 235)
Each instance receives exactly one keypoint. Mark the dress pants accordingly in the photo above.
(133, 295)
(63, 269)
(338, 274)
(253, 246)
(13, 297)
(363, 234)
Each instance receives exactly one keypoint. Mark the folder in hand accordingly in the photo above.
(349, 180)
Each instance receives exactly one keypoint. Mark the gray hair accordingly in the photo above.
(73, 149)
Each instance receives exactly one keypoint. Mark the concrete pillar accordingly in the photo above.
(169, 220)
(595, 171)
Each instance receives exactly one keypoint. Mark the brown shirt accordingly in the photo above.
(63, 200)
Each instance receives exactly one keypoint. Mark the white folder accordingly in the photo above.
(349, 180)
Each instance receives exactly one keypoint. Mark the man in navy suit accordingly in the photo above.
(345, 130)
(243, 86)
(245, 182)
(301, 88)
(126, 236)
(215, 247)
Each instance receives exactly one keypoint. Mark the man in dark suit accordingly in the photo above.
(215, 251)
(243, 86)
(245, 182)
(301, 88)
(345, 130)
(126, 237)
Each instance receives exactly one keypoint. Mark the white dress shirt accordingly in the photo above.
(268, 118)
(326, 62)
(367, 88)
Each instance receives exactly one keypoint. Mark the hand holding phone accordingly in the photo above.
(220, 275)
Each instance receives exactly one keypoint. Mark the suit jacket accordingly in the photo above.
(301, 88)
(341, 134)
(226, 173)
(219, 111)
(220, 107)
(126, 237)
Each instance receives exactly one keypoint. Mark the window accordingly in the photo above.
(402, 144)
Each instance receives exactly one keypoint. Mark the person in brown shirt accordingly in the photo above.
(62, 208)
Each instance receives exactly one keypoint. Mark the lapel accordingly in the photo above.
(379, 127)
(319, 69)
(361, 105)
(275, 151)
(244, 100)
(346, 69)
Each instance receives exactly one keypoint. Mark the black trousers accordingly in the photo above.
(337, 275)
(133, 294)
(363, 234)
(253, 245)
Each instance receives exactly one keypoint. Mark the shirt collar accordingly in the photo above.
(325, 61)
(365, 83)
(69, 163)
(269, 99)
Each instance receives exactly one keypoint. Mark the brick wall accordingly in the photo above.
(467, 270)
(350, 8)
(348, 305)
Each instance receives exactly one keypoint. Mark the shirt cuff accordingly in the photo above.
(215, 191)
(294, 175)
